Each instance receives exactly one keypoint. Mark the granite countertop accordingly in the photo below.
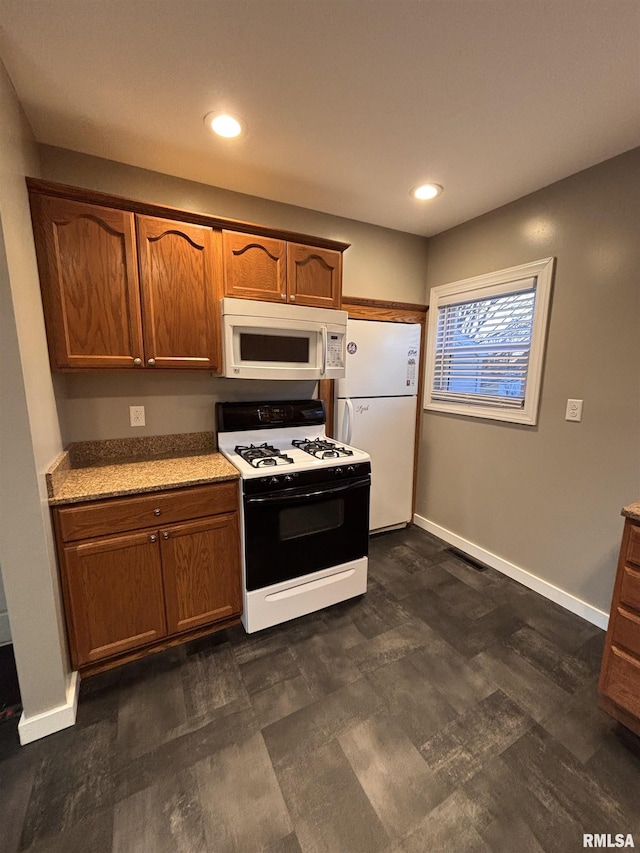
(632, 511)
(92, 470)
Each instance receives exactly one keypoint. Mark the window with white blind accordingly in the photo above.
(485, 347)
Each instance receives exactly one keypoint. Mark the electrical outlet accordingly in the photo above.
(574, 410)
(136, 416)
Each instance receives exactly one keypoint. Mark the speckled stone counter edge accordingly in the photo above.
(632, 511)
(99, 469)
(57, 473)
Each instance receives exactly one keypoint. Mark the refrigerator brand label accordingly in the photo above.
(352, 347)
(411, 368)
(361, 408)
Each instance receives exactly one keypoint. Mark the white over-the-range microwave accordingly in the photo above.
(268, 340)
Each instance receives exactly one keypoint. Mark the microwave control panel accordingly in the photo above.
(335, 345)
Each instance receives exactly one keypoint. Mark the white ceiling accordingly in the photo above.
(349, 103)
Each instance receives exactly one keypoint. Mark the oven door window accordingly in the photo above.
(310, 520)
(292, 536)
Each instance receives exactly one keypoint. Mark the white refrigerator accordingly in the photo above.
(376, 411)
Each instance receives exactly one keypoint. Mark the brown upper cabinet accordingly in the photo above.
(89, 281)
(178, 266)
(280, 271)
(103, 309)
(126, 284)
(254, 267)
(314, 276)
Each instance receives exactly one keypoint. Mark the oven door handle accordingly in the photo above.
(280, 498)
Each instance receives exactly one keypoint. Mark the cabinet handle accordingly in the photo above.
(157, 511)
(292, 298)
(151, 362)
(165, 535)
(283, 296)
(137, 361)
(153, 537)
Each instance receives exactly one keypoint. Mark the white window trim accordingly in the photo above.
(485, 286)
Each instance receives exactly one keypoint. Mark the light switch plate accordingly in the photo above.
(574, 410)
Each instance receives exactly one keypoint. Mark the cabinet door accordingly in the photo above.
(314, 276)
(254, 267)
(114, 593)
(201, 565)
(178, 272)
(89, 280)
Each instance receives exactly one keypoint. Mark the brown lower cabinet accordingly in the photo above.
(201, 572)
(133, 584)
(620, 675)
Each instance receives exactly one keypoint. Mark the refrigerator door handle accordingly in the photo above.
(347, 421)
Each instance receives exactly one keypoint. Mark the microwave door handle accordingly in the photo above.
(324, 350)
(279, 498)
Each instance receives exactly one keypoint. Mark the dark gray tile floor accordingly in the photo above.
(446, 710)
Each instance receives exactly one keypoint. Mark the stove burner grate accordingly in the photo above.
(321, 448)
(262, 455)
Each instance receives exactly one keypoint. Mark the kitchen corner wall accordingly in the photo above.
(548, 498)
(29, 433)
(380, 264)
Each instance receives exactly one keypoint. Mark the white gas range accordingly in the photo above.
(305, 504)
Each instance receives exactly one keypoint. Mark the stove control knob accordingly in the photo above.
(273, 481)
(288, 478)
(337, 471)
(350, 469)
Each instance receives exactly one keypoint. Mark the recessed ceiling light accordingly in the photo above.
(225, 124)
(425, 192)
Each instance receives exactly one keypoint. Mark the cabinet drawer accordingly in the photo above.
(630, 589)
(622, 683)
(118, 515)
(626, 633)
(633, 548)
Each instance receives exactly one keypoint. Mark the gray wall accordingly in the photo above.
(29, 432)
(94, 407)
(547, 498)
(380, 263)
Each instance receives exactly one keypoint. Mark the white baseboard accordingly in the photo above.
(548, 590)
(53, 720)
(5, 630)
